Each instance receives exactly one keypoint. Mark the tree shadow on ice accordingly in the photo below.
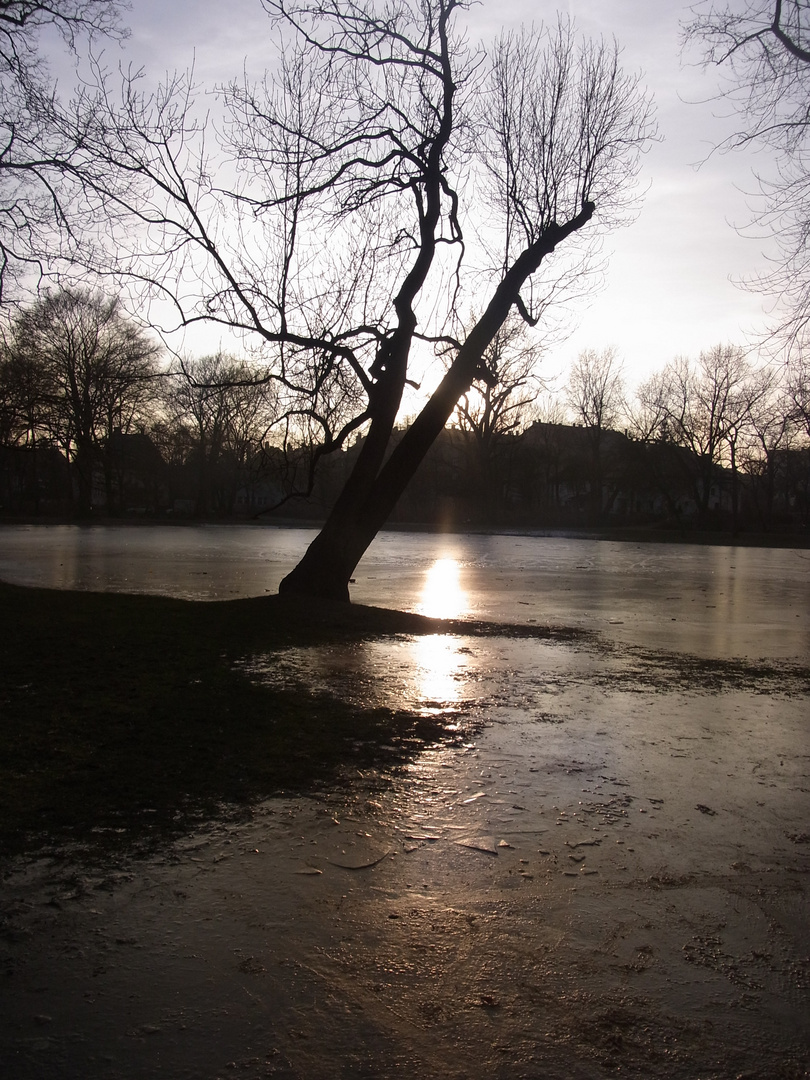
(128, 718)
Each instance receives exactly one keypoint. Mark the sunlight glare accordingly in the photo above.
(442, 595)
(440, 667)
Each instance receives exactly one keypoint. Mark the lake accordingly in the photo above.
(720, 601)
(606, 870)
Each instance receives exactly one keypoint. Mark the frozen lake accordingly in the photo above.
(606, 871)
(711, 601)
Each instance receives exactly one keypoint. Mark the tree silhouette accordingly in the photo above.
(220, 414)
(595, 394)
(95, 372)
(703, 405)
(37, 152)
(799, 392)
(497, 409)
(763, 48)
(386, 179)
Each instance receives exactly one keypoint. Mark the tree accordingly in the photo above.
(595, 395)
(763, 46)
(595, 389)
(701, 408)
(771, 430)
(96, 370)
(658, 454)
(544, 457)
(222, 414)
(351, 237)
(25, 406)
(35, 157)
(25, 397)
(798, 389)
(497, 408)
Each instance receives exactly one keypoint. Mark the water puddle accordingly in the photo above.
(438, 673)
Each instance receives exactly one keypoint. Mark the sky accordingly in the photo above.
(671, 285)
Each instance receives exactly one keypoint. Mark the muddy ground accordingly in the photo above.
(603, 871)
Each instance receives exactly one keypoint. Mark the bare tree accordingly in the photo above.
(595, 389)
(198, 411)
(221, 412)
(647, 413)
(763, 48)
(25, 397)
(36, 157)
(497, 408)
(798, 390)
(97, 368)
(771, 431)
(650, 428)
(386, 175)
(26, 407)
(702, 406)
(748, 395)
(596, 396)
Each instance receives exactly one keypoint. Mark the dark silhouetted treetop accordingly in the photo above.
(95, 371)
(762, 49)
(385, 178)
(37, 148)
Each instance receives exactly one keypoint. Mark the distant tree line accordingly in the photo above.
(94, 420)
(709, 444)
(330, 217)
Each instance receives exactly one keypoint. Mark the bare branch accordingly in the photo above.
(763, 51)
(347, 207)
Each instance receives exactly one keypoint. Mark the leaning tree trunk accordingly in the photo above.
(371, 493)
(333, 555)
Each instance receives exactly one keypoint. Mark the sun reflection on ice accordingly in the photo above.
(442, 594)
(439, 671)
(432, 674)
(440, 660)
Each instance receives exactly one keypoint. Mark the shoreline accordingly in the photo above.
(620, 534)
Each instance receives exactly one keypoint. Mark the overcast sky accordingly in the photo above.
(671, 280)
